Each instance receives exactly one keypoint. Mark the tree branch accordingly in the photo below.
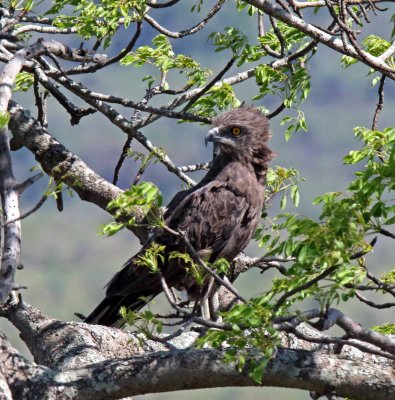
(323, 37)
(186, 32)
(380, 103)
(81, 361)
(59, 162)
(321, 3)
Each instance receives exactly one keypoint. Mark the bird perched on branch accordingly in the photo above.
(218, 216)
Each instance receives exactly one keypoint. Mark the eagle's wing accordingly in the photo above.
(218, 219)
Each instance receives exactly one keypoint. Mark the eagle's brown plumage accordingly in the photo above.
(219, 215)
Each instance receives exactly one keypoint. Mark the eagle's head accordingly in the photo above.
(241, 133)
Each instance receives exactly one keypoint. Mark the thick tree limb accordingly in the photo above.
(81, 361)
(125, 125)
(11, 251)
(59, 162)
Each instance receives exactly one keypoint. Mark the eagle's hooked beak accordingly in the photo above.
(211, 136)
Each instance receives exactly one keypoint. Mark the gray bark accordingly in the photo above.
(65, 166)
(332, 41)
(80, 361)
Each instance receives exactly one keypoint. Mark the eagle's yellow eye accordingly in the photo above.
(236, 131)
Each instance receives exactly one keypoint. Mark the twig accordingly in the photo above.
(121, 159)
(40, 104)
(277, 111)
(306, 285)
(380, 103)
(76, 113)
(389, 52)
(353, 15)
(93, 98)
(44, 29)
(268, 259)
(30, 212)
(233, 80)
(321, 3)
(279, 35)
(125, 125)
(368, 288)
(343, 342)
(193, 318)
(83, 69)
(186, 32)
(101, 61)
(178, 332)
(301, 52)
(373, 304)
(382, 285)
(199, 260)
(318, 34)
(387, 233)
(21, 187)
(361, 253)
(216, 79)
(336, 317)
(356, 331)
(364, 13)
(169, 296)
(261, 32)
(162, 5)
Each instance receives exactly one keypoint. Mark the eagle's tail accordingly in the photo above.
(132, 287)
(107, 311)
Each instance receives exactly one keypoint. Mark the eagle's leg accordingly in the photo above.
(205, 302)
(215, 305)
(205, 309)
(210, 305)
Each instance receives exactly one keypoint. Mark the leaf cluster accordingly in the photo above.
(97, 19)
(187, 262)
(374, 183)
(23, 82)
(145, 322)
(385, 329)
(330, 243)
(162, 57)
(232, 39)
(291, 38)
(152, 258)
(250, 328)
(144, 196)
(219, 97)
(373, 45)
(285, 181)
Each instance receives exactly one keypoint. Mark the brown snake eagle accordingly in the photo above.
(219, 215)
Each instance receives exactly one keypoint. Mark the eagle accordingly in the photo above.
(218, 216)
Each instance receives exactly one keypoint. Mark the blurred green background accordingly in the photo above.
(67, 263)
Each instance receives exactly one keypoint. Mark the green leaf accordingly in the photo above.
(295, 195)
(233, 39)
(23, 82)
(144, 198)
(4, 119)
(385, 329)
(283, 202)
(152, 258)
